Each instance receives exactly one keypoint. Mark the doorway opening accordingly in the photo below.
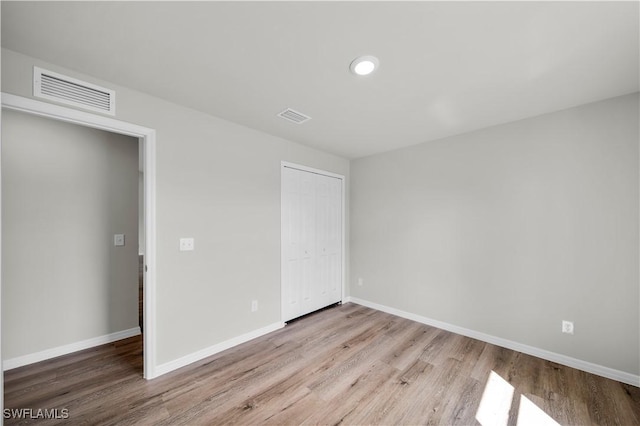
(146, 138)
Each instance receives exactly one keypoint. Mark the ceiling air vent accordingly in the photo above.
(60, 88)
(294, 116)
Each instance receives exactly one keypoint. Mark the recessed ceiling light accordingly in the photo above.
(364, 65)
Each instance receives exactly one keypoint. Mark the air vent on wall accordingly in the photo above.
(294, 116)
(60, 88)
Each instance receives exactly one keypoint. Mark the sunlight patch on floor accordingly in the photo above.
(497, 401)
(529, 414)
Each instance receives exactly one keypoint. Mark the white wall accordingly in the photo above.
(66, 191)
(219, 183)
(509, 230)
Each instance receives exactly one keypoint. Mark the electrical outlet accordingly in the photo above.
(254, 305)
(360, 282)
(118, 240)
(567, 327)
(187, 244)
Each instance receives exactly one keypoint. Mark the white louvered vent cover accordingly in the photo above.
(60, 88)
(294, 116)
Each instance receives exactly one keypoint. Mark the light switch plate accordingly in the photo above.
(186, 244)
(118, 240)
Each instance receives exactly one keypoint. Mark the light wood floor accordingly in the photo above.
(348, 364)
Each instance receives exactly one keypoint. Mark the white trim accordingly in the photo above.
(1, 363)
(212, 350)
(589, 367)
(283, 164)
(149, 267)
(311, 170)
(344, 239)
(147, 137)
(69, 115)
(9, 364)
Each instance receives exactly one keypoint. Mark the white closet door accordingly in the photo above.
(334, 241)
(311, 242)
(329, 240)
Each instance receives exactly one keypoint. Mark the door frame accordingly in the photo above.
(343, 239)
(147, 138)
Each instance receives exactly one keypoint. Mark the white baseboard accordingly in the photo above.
(212, 350)
(9, 364)
(589, 367)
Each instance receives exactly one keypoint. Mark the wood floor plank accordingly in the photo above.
(391, 401)
(345, 365)
(356, 399)
(298, 413)
(410, 344)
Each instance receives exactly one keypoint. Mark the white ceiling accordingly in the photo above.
(445, 67)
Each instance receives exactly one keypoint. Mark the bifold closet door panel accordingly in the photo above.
(329, 240)
(298, 224)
